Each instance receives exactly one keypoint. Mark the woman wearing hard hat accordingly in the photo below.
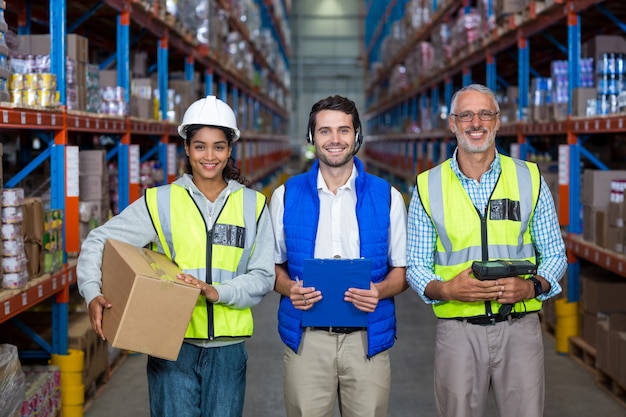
(219, 233)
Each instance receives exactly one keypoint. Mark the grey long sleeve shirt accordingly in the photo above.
(134, 226)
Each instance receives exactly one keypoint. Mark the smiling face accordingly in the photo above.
(475, 136)
(208, 151)
(334, 138)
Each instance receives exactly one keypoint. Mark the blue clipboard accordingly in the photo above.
(333, 277)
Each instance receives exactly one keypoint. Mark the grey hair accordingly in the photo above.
(474, 87)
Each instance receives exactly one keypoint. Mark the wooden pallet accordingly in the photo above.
(611, 386)
(582, 353)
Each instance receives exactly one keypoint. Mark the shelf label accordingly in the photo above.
(39, 291)
(54, 284)
(71, 171)
(63, 279)
(54, 119)
(23, 118)
(5, 116)
(7, 308)
(171, 159)
(39, 118)
(563, 164)
(87, 123)
(76, 122)
(24, 299)
(97, 124)
(134, 162)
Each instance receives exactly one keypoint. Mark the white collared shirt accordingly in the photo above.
(337, 229)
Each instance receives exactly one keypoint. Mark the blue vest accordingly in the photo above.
(300, 219)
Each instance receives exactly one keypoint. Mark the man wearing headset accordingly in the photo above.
(337, 210)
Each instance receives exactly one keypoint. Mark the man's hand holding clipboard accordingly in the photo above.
(346, 293)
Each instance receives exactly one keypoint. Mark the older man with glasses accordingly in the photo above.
(481, 205)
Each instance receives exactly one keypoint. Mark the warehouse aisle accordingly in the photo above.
(571, 390)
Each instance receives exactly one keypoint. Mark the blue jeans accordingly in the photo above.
(202, 382)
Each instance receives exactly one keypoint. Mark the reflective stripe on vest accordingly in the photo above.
(510, 209)
(183, 237)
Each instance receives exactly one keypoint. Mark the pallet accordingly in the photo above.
(582, 353)
(612, 387)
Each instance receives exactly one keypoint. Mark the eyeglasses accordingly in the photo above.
(468, 116)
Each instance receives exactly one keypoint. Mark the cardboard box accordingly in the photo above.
(600, 44)
(92, 162)
(604, 295)
(615, 240)
(588, 323)
(151, 307)
(597, 186)
(601, 227)
(76, 46)
(580, 95)
(92, 187)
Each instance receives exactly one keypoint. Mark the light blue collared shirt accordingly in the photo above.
(545, 233)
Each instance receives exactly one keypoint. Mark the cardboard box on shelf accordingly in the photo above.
(77, 47)
(108, 78)
(603, 295)
(600, 44)
(92, 162)
(580, 95)
(597, 186)
(151, 307)
(601, 226)
(92, 187)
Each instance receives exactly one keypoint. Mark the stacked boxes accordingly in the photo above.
(596, 196)
(14, 262)
(604, 323)
(33, 59)
(93, 189)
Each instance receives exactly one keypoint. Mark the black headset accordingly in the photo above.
(358, 138)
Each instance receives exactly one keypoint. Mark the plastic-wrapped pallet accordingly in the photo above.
(12, 385)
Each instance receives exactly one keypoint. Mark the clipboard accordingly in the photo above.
(333, 277)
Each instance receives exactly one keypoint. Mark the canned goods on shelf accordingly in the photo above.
(16, 82)
(30, 97)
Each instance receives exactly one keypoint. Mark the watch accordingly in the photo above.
(537, 285)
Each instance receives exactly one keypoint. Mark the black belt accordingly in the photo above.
(339, 330)
(489, 320)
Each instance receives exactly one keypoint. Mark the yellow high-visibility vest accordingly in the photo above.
(461, 230)
(184, 238)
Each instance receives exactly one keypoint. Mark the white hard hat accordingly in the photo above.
(209, 111)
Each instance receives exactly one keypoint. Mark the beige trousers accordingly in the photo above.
(328, 367)
(506, 358)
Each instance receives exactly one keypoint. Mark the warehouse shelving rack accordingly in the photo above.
(546, 30)
(260, 155)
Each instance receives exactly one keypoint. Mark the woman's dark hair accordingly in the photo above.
(231, 171)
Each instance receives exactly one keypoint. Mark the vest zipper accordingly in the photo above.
(209, 269)
(209, 280)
